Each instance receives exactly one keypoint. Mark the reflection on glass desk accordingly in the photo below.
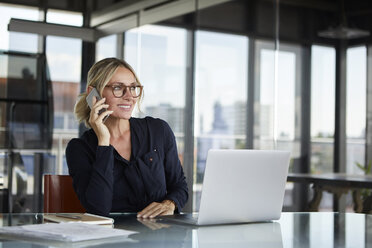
(316, 229)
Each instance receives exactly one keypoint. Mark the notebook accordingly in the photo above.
(240, 186)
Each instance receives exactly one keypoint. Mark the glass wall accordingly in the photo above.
(221, 63)
(277, 97)
(356, 108)
(18, 81)
(64, 61)
(323, 66)
(15, 41)
(158, 55)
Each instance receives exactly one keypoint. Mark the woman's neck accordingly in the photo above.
(117, 127)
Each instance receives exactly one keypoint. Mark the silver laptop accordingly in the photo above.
(240, 186)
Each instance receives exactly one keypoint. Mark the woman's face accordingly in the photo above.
(122, 106)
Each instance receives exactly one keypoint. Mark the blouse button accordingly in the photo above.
(150, 159)
(155, 150)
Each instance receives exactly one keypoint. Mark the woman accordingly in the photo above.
(123, 164)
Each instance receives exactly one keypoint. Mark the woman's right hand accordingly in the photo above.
(96, 121)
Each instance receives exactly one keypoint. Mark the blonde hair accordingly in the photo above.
(98, 77)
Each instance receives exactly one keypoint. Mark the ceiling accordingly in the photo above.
(300, 21)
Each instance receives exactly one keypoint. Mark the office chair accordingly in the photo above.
(59, 195)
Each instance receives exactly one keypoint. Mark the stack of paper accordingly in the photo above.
(67, 232)
(84, 218)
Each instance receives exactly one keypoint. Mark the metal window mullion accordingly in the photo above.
(120, 45)
(250, 94)
(368, 145)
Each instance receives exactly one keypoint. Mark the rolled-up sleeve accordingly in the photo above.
(92, 174)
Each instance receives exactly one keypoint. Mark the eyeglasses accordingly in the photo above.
(119, 90)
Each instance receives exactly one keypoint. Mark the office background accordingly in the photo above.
(263, 74)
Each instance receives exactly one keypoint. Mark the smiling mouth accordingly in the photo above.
(124, 106)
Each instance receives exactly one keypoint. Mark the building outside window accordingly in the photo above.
(158, 55)
(220, 97)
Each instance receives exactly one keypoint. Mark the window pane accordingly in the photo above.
(64, 58)
(60, 17)
(64, 61)
(356, 108)
(158, 55)
(106, 47)
(220, 96)
(276, 104)
(14, 40)
(323, 62)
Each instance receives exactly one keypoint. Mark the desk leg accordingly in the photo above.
(314, 203)
(358, 204)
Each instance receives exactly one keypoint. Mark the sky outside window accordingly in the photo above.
(158, 55)
(63, 53)
(323, 62)
(19, 41)
(65, 17)
(221, 77)
(284, 98)
(106, 47)
(356, 92)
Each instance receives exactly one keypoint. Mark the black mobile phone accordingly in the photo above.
(89, 99)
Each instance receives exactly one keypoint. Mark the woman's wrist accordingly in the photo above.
(103, 142)
(169, 201)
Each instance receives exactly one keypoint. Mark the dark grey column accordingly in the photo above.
(340, 118)
(302, 164)
(188, 161)
(38, 182)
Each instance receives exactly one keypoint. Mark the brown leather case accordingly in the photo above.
(59, 195)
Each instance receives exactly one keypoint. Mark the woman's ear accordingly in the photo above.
(89, 89)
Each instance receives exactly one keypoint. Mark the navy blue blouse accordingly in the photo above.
(106, 182)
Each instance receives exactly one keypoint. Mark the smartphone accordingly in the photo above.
(89, 98)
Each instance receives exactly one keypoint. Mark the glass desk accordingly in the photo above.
(317, 229)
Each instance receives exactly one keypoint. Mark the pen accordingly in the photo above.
(68, 216)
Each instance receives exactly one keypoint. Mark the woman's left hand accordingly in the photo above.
(165, 207)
